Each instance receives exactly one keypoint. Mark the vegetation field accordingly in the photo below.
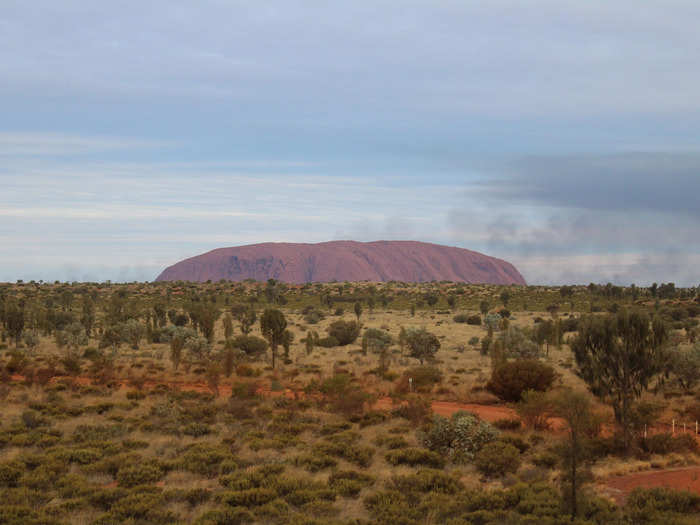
(348, 403)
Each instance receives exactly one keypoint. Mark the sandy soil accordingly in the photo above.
(680, 479)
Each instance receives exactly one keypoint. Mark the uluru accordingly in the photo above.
(378, 261)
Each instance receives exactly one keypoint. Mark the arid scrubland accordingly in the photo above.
(388, 403)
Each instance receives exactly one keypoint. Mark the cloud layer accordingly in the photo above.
(561, 135)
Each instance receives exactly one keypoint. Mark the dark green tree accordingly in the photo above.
(358, 310)
(272, 325)
(581, 424)
(422, 344)
(619, 356)
(14, 322)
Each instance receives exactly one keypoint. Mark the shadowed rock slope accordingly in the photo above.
(407, 261)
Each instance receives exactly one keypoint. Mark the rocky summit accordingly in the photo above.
(379, 261)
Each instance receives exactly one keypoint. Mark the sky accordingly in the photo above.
(562, 136)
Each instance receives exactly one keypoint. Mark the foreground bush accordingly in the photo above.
(345, 332)
(419, 379)
(414, 457)
(497, 459)
(511, 379)
(458, 438)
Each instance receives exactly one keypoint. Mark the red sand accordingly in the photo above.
(680, 479)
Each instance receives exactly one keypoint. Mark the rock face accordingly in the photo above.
(378, 261)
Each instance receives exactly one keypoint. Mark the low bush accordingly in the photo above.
(458, 438)
(250, 344)
(345, 332)
(497, 459)
(415, 457)
(428, 480)
(667, 443)
(225, 517)
(248, 498)
(508, 424)
(328, 342)
(349, 483)
(511, 379)
(647, 502)
(142, 474)
(315, 462)
(419, 379)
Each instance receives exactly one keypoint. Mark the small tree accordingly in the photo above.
(345, 332)
(358, 310)
(505, 297)
(685, 366)
(619, 356)
(14, 322)
(272, 325)
(287, 340)
(576, 411)
(31, 340)
(310, 340)
(484, 307)
(228, 326)
(422, 344)
(133, 332)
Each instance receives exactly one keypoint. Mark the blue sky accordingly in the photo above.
(560, 135)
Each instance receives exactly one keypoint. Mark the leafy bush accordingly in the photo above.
(349, 483)
(249, 498)
(328, 342)
(458, 438)
(250, 344)
(235, 516)
(422, 378)
(511, 379)
(512, 423)
(428, 480)
(315, 462)
(9, 475)
(414, 457)
(345, 332)
(142, 474)
(649, 501)
(497, 459)
(666, 443)
(474, 320)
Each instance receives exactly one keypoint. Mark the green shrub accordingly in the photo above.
(196, 430)
(249, 498)
(328, 342)
(428, 480)
(345, 332)
(315, 462)
(458, 438)
(508, 424)
(225, 517)
(419, 379)
(141, 474)
(250, 344)
(204, 459)
(546, 460)
(666, 443)
(349, 483)
(649, 501)
(497, 459)
(511, 379)
(9, 475)
(414, 457)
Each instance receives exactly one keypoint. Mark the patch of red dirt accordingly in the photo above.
(681, 479)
